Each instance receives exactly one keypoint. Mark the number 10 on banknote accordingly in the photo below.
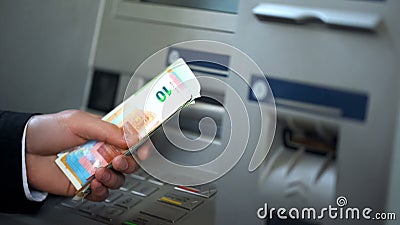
(140, 114)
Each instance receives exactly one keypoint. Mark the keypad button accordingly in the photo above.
(109, 212)
(90, 207)
(140, 174)
(156, 182)
(144, 190)
(128, 202)
(71, 203)
(168, 213)
(144, 220)
(113, 196)
(138, 220)
(182, 200)
(205, 191)
(129, 184)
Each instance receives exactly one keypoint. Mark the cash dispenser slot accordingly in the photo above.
(301, 167)
(310, 140)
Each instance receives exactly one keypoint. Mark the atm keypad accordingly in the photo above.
(139, 202)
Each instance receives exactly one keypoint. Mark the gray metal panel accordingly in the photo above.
(124, 42)
(44, 53)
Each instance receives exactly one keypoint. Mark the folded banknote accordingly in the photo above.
(140, 114)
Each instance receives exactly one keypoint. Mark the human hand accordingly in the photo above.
(50, 134)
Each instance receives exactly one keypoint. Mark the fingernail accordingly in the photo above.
(106, 176)
(123, 164)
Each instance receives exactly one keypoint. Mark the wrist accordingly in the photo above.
(32, 175)
(31, 134)
(40, 134)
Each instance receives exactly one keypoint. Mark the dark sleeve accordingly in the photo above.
(11, 190)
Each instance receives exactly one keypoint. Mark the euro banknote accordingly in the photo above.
(140, 114)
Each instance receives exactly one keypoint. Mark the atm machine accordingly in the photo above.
(332, 71)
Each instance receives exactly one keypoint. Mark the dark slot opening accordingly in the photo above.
(103, 90)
